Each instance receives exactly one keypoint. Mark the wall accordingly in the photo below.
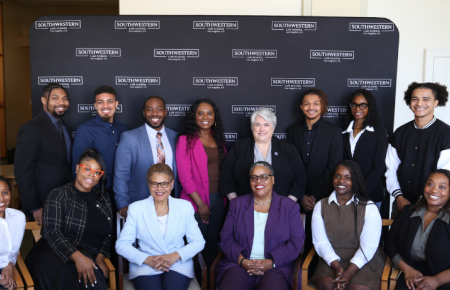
(17, 18)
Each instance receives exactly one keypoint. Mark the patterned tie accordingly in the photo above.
(160, 149)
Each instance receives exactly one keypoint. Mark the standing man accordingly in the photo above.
(418, 147)
(320, 145)
(138, 150)
(101, 133)
(42, 159)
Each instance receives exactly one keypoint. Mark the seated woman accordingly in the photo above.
(76, 231)
(346, 228)
(12, 227)
(159, 223)
(261, 238)
(419, 239)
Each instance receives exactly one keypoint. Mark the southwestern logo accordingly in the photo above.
(369, 84)
(58, 25)
(98, 53)
(65, 81)
(138, 82)
(176, 54)
(137, 25)
(231, 137)
(248, 109)
(89, 108)
(336, 112)
(294, 27)
(215, 82)
(177, 110)
(281, 136)
(293, 83)
(216, 26)
(331, 55)
(372, 28)
(254, 54)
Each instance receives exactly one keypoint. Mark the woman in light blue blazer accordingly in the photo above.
(159, 223)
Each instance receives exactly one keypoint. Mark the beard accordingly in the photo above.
(56, 114)
(155, 127)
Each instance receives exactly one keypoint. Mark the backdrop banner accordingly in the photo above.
(242, 63)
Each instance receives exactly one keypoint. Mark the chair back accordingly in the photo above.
(35, 229)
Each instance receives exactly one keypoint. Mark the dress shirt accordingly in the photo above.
(354, 140)
(12, 228)
(421, 238)
(66, 134)
(162, 222)
(309, 138)
(102, 136)
(259, 157)
(369, 239)
(165, 141)
(260, 220)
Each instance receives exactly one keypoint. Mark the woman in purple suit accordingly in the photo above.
(261, 238)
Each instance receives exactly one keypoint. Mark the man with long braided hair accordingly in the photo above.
(346, 228)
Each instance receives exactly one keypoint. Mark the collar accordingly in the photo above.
(99, 121)
(314, 126)
(350, 128)
(427, 125)
(442, 215)
(52, 118)
(333, 198)
(152, 132)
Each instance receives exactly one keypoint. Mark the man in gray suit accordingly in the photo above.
(138, 150)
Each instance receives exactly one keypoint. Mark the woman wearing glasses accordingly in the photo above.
(159, 223)
(365, 141)
(261, 238)
(76, 231)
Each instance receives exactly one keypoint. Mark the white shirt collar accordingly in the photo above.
(333, 198)
(152, 132)
(350, 128)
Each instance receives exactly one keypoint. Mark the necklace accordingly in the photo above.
(163, 214)
(262, 203)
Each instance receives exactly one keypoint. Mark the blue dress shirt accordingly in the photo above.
(102, 136)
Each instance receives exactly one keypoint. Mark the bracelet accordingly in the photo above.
(240, 264)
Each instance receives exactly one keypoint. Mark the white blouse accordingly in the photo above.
(354, 140)
(162, 222)
(12, 228)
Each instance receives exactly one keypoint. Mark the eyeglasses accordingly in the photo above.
(88, 170)
(164, 184)
(263, 177)
(361, 106)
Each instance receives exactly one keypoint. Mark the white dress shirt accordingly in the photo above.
(369, 239)
(165, 141)
(12, 228)
(354, 140)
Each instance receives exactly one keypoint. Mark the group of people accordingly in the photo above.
(185, 193)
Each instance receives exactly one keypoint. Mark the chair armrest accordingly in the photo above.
(204, 270)
(112, 274)
(18, 279)
(385, 275)
(20, 265)
(297, 269)
(305, 267)
(213, 270)
(395, 274)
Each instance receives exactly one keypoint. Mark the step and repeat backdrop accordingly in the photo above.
(242, 63)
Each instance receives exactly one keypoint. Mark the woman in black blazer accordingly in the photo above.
(419, 239)
(365, 141)
(290, 177)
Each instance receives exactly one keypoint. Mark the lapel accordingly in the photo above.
(50, 127)
(201, 161)
(415, 223)
(272, 219)
(249, 221)
(301, 140)
(143, 138)
(275, 149)
(172, 221)
(151, 222)
(432, 237)
(317, 142)
(346, 137)
(363, 140)
(172, 136)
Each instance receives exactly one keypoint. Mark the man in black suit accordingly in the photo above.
(319, 144)
(42, 159)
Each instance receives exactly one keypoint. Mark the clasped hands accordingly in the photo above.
(162, 262)
(7, 277)
(416, 280)
(343, 277)
(257, 267)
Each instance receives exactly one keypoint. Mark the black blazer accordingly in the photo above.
(64, 220)
(370, 155)
(401, 236)
(326, 151)
(40, 162)
(289, 170)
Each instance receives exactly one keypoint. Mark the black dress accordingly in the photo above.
(48, 266)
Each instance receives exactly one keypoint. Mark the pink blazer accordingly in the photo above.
(193, 171)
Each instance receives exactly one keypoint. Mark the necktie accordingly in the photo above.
(61, 133)
(160, 149)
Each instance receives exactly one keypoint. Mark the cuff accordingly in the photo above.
(293, 198)
(358, 262)
(332, 257)
(396, 193)
(397, 258)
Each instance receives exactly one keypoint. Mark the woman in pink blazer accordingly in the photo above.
(199, 153)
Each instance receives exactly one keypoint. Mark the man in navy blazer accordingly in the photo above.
(137, 151)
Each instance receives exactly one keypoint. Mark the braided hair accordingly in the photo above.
(439, 91)
(422, 202)
(190, 128)
(372, 116)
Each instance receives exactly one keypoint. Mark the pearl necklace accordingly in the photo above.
(262, 203)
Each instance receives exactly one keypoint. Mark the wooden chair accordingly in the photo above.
(29, 284)
(125, 284)
(308, 285)
(297, 267)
